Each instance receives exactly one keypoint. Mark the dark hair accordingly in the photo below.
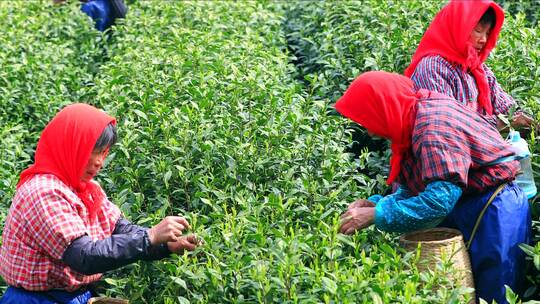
(488, 18)
(107, 138)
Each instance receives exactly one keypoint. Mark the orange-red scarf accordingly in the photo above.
(64, 149)
(448, 36)
(383, 103)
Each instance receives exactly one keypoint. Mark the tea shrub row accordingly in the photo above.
(216, 123)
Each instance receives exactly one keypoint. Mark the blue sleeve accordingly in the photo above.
(426, 210)
(123, 226)
(89, 256)
(401, 193)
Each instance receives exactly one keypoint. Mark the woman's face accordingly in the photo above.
(94, 164)
(479, 36)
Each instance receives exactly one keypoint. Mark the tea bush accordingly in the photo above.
(335, 42)
(528, 7)
(217, 124)
(48, 56)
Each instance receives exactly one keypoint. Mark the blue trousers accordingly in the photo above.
(496, 258)
(100, 11)
(15, 295)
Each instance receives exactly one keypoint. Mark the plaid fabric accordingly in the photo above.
(434, 73)
(451, 143)
(45, 216)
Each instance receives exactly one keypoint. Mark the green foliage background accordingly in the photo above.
(224, 117)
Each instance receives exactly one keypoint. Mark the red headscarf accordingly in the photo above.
(64, 149)
(448, 36)
(383, 103)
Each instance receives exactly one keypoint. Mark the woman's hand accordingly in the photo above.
(360, 203)
(356, 219)
(168, 230)
(521, 120)
(188, 242)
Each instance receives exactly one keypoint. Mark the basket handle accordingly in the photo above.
(499, 189)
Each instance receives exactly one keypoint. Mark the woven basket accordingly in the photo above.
(107, 300)
(437, 244)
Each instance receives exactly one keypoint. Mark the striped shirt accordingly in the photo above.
(435, 73)
(44, 218)
(451, 143)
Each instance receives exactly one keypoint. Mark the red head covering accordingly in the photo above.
(64, 149)
(448, 36)
(383, 103)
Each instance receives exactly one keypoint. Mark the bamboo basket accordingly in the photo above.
(437, 244)
(107, 300)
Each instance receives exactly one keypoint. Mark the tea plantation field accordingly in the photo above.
(225, 116)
